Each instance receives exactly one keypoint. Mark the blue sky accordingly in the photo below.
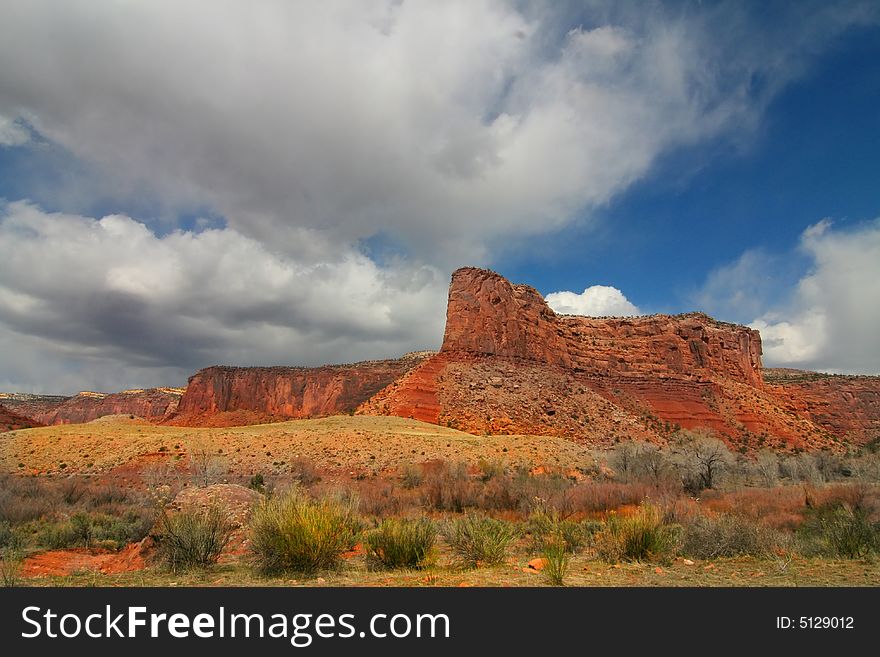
(815, 155)
(191, 184)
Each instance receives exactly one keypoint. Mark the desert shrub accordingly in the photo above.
(207, 467)
(7, 535)
(546, 525)
(192, 538)
(295, 533)
(108, 496)
(727, 536)
(72, 491)
(116, 531)
(556, 557)
(642, 462)
(840, 530)
(304, 471)
(643, 536)
(57, 535)
(379, 498)
(490, 469)
(412, 476)
(402, 543)
(17, 509)
(81, 525)
(257, 483)
(10, 565)
(450, 488)
(477, 539)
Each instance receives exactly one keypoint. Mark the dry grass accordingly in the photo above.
(342, 443)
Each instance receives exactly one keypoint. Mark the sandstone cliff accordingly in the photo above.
(10, 421)
(224, 396)
(153, 404)
(509, 364)
(488, 315)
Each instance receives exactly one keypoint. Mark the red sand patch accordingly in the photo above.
(67, 562)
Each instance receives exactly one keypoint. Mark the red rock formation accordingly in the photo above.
(487, 315)
(10, 421)
(29, 405)
(509, 364)
(243, 395)
(846, 406)
(153, 404)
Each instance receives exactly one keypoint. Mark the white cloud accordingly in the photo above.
(595, 301)
(828, 318)
(102, 299)
(449, 125)
(449, 128)
(12, 133)
(832, 320)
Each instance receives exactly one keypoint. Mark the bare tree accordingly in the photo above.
(206, 465)
(702, 458)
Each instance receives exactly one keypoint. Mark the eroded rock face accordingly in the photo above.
(154, 404)
(846, 406)
(488, 315)
(509, 364)
(219, 396)
(10, 421)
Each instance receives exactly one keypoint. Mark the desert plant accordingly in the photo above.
(294, 533)
(10, 565)
(304, 471)
(192, 538)
(727, 536)
(257, 483)
(644, 536)
(479, 540)
(402, 543)
(842, 530)
(546, 525)
(450, 488)
(412, 476)
(556, 560)
(207, 467)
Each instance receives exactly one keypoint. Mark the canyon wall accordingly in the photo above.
(488, 315)
(154, 404)
(10, 421)
(246, 395)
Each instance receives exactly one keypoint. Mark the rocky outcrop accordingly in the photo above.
(488, 315)
(154, 404)
(10, 421)
(509, 364)
(846, 406)
(225, 396)
(30, 405)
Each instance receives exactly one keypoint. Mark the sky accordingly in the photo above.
(188, 184)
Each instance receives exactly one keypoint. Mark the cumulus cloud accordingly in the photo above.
(93, 292)
(827, 320)
(448, 124)
(311, 129)
(595, 301)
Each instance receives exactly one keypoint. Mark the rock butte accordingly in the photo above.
(509, 364)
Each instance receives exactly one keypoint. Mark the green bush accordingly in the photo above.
(546, 525)
(476, 539)
(402, 543)
(295, 533)
(192, 538)
(644, 536)
(841, 530)
(556, 559)
(727, 536)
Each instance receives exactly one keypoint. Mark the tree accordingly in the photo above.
(702, 458)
